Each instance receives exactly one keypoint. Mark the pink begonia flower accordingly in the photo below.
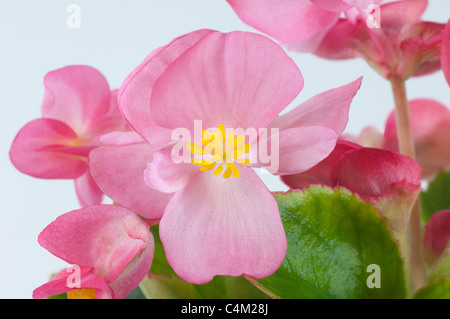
(389, 180)
(78, 106)
(445, 52)
(430, 125)
(222, 219)
(403, 46)
(297, 24)
(109, 247)
(118, 169)
(436, 236)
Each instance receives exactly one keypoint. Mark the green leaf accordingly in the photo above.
(437, 196)
(226, 287)
(332, 238)
(439, 289)
(136, 293)
(160, 286)
(160, 264)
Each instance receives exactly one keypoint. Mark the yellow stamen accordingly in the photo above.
(85, 293)
(218, 149)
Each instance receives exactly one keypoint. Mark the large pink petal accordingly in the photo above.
(136, 91)
(77, 95)
(46, 148)
(445, 52)
(286, 20)
(105, 237)
(218, 226)
(240, 79)
(87, 191)
(321, 173)
(119, 172)
(328, 109)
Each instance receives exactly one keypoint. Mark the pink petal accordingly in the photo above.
(285, 20)
(300, 148)
(338, 43)
(77, 95)
(87, 190)
(370, 136)
(321, 173)
(373, 172)
(328, 109)
(133, 274)
(333, 5)
(436, 235)
(389, 180)
(135, 92)
(119, 172)
(164, 175)
(43, 149)
(430, 123)
(218, 226)
(59, 283)
(105, 237)
(445, 52)
(421, 49)
(396, 15)
(120, 138)
(359, 3)
(225, 78)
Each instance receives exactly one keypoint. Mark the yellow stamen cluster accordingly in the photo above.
(85, 293)
(219, 148)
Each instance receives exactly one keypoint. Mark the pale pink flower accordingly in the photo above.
(223, 220)
(78, 106)
(109, 247)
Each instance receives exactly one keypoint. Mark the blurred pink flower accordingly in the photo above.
(297, 24)
(436, 236)
(402, 47)
(216, 225)
(445, 53)
(430, 125)
(110, 248)
(78, 106)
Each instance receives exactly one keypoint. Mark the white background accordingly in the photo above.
(115, 36)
